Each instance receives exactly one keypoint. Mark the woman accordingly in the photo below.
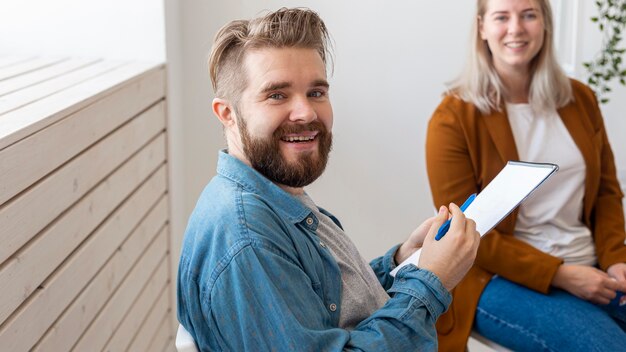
(544, 276)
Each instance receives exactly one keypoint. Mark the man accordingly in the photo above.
(262, 267)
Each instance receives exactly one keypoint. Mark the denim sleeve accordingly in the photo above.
(382, 266)
(264, 301)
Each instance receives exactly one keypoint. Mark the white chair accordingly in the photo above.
(184, 341)
(476, 343)
(479, 343)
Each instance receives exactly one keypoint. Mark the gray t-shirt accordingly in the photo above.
(361, 293)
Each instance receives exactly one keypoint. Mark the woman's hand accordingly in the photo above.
(618, 272)
(587, 282)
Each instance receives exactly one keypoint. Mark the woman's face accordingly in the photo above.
(514, 31)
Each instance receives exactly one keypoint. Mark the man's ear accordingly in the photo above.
(224, 112)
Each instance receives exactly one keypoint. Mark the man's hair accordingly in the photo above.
(480, 84)
(285, 28)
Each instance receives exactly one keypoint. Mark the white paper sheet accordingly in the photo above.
(507, 190)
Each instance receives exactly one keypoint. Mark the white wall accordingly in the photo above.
(615, 111)
(113, 29)
(389, 75)
(392, 59)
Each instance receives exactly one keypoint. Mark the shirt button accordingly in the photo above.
(322, 244)
(309, 221)
(332, 307)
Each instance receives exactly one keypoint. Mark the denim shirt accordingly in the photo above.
(253, 276)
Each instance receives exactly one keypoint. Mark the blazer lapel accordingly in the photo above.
(578, 127)
(499, 129)
(501, 134)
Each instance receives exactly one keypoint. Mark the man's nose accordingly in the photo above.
(302, 111)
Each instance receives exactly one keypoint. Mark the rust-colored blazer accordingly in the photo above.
(465, 150)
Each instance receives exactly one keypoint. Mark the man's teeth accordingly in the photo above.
(298, 138)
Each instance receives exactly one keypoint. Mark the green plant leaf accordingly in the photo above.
(608, 63)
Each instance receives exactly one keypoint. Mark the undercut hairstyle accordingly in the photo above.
(479, 83)
(284, 28)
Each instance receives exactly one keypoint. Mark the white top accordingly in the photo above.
(551, 218)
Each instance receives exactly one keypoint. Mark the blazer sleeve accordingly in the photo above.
(458, 165)
(451, 173)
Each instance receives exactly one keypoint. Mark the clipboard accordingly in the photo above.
(514, 183)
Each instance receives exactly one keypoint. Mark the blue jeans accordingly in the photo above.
(525, 320)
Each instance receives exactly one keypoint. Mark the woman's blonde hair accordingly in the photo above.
(480, 84)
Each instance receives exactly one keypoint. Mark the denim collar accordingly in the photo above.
(252, 181)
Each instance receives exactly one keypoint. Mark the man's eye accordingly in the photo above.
(316, 94)
(277, 96)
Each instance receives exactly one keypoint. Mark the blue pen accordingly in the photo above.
(446, 225)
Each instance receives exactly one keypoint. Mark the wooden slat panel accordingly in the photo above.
(147, 332)
(171, 344)
(24, 97)
(111, 315)
(13, 60)
(23, 163)
(50, 197)
(151, 296)
(30, 322)
(27, 66)
(162, 335)
(135, 265)
(113, 279)
(91, 264)
(32, 264)
(28, 79)
(38, 115)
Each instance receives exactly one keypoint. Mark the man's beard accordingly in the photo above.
(265, 156)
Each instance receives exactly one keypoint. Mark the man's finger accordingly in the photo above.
(470, 226)
(428, 222)
(441, 217)
(458, 218)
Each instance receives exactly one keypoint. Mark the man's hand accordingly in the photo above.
(589, 283)
(452, 256)
(414, 242)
